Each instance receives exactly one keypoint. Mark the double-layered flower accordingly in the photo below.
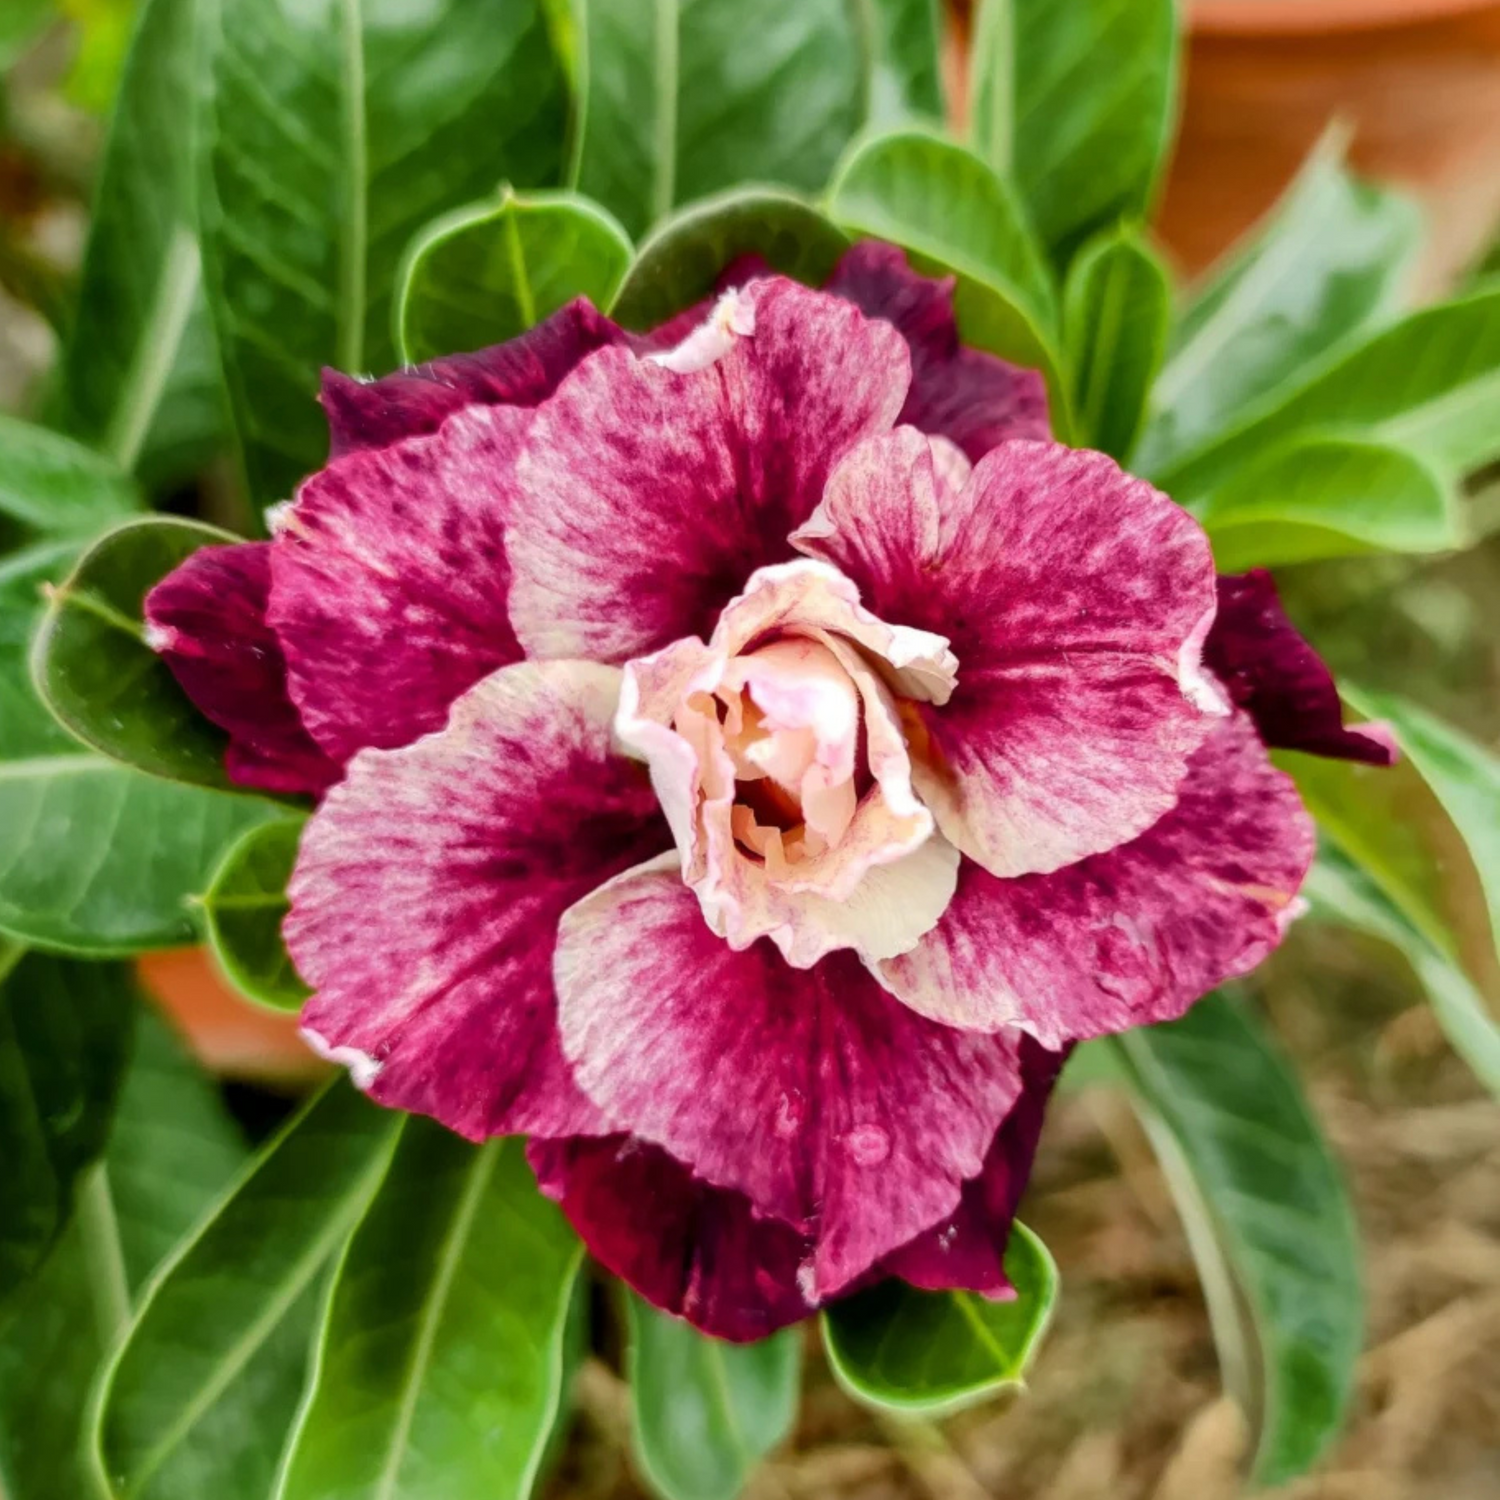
(749, 756)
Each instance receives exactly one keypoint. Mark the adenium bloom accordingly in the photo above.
(750, 756)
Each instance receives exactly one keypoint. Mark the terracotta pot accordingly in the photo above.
(1289, 17)
(1421, 98)
(228, 1034)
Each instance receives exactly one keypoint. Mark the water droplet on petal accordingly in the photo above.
(807, 1282)
(1126, 962)
(869, 1145)
(789, 1114)
(947, 1237)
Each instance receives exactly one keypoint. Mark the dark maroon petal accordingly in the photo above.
(1280, 681)
(1132, 936)
(374, 413)
(207, 619)
(829, 1104)
(646, 497)
(967, 1251)
(426, 898)
(1076, 599)
(965, 395)
(697, 1251)
(389, 583)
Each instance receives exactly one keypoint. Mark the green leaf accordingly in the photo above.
(172, 1147)
(486, 273)
(134, 380)
(243, 909)
(1429, 384)
(238, 1294)
(953, 214)
(1463, 775)
(705, 1412)
(334, 133)
(1115, 315)
(679, 265)
(52, 485)
(682, 98)
(1312, 497)
(1075, 103)
(903, 40)
(21, 24)
(64, 1042)
(95, 671)
(440, 1367)
(1330, 261)
(94, 858)
(919, 1353)
(1269, 1219)
(1341, 893)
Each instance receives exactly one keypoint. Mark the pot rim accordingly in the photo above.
(1302, 17)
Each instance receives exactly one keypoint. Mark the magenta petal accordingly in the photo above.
(389, 583)
(1076, 599)
(1132, 936)
(647, 497)
(967, 1251)
(375, 413)
(965, 395)
(697, 1251)
(207, 620)
(427, 893)
(1280, 681)
(829, 1104)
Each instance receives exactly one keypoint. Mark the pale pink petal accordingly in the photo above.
(207, 620)
(1132, 936)
(1076, 600)
(389, 581)
(829, 1104)
(646, 497)
(428, 890)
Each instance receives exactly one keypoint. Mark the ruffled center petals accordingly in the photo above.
(779, 755)
(1078, 600)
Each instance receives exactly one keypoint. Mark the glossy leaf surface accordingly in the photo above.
(683, 98)
(680, 264)
(52, 485)
(139, 381)
(98, 675)
(94, 858)
(487, 273)
(243, 909)
(705, 1412)
(1330, 260)
(1075, 103)
(929, 1352)
(1314, 497)
(64, 1040)
(1115, 315)
(238, 1293)
(172, 1147)
(955, 215)
(439, 1370)
(1268, 1217)
(335, 132)
(1429, 384)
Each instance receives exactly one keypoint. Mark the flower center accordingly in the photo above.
(790, 718)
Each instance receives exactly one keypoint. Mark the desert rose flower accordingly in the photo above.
(749, 757)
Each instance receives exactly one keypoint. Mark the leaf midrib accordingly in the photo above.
(434, 1304)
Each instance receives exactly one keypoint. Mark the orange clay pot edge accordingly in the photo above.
(1292, 17)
